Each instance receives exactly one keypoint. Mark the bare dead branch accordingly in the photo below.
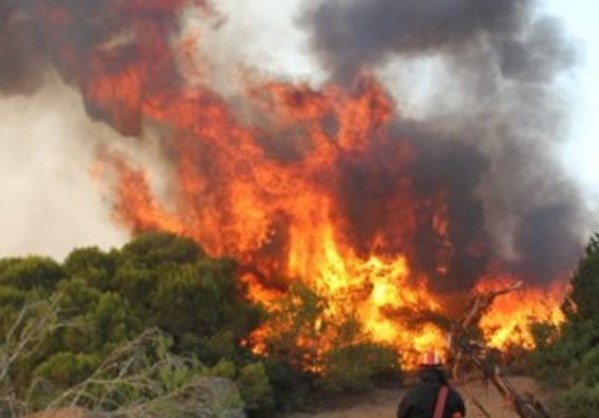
(34, 322)
(476, 352)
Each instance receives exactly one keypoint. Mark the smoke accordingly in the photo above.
(488, 129)
(21, 68)
(485, 138)
(48, 143)
(50, 202)
(87, 40)
(349, 35)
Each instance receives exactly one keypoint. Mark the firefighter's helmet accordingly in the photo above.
(431, 359)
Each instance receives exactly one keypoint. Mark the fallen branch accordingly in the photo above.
(476, 352)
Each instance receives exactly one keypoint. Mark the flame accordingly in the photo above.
(507, 322)
(302, 185)
(283, 218)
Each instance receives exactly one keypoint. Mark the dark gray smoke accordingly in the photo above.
(350, 35)
(83, 40)
(28, 43)
(21, 68)
(492, 144)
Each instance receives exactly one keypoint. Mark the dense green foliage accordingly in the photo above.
(104, 300)
(79, 316)
(568, 356)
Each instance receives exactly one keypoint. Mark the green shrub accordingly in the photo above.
(355, 367)
(67, 369)
(587, 370)
(31, 273)
(255, 388)
(580, 401)
(292, 387)
(94, 266)
(567, 357)
(224, 368)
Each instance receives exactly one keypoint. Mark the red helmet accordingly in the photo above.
(431, 359)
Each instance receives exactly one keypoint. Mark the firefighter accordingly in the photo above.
(432, 397)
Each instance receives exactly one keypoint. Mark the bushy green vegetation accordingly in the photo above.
(66, 327)
(567, 357)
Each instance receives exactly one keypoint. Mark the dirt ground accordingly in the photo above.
(382, 403)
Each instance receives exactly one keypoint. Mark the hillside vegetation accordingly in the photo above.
(567, 357)
(132, 329)
(112, 330)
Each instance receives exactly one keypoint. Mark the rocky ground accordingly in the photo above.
(382, 403)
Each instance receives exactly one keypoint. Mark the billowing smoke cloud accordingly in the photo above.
(486, 142)
(349, 35)
(86, 41)
(50, 201)
(492, 122)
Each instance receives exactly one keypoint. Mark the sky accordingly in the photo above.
(582, 149)
(50, 203)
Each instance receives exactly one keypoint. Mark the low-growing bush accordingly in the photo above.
(355, 367)
(579, 401)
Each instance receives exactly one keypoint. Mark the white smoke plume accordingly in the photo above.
(49, 200)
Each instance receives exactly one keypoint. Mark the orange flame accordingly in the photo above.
(507, 322)
(266, 178)
(247, 201)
